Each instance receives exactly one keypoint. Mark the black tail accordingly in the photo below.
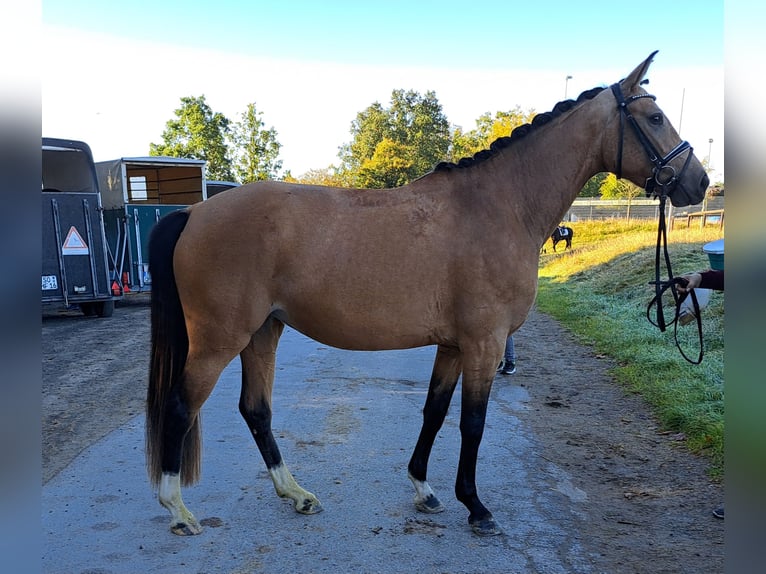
(170, 347)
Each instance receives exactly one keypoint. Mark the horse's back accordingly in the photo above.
(335, 264)
(313, 227)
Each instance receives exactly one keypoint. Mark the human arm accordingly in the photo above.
(710, 279)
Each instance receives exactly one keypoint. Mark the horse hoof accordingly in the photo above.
(485, 527)
(186, 529)
(309, 506)
(431, 505)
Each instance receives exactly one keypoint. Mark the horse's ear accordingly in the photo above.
(632, 81)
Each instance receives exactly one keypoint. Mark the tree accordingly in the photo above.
(368, 129)
(420, 127)
(326, 176)
(390, 166)
(199, 133)
(608, 188)
(255, 149)
(613, 188)
(592, 187)
(392, 146)
(488, 129)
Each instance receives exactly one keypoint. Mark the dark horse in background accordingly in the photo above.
(562, 233)
(450, 259)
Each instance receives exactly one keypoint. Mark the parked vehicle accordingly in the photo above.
(137, 192)
(216, 187)
(75, 262)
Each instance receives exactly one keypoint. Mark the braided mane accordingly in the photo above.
(519, 132)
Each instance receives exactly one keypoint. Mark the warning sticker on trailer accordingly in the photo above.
(74, 244)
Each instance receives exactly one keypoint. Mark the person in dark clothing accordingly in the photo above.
(710, 279)
(508, 364)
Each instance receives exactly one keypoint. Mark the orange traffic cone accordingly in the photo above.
(116, 288)
(125, 282)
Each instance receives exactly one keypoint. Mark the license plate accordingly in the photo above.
(50, 283)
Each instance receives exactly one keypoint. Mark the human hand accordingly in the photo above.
(693, 281)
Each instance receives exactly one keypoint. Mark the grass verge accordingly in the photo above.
(600, 290)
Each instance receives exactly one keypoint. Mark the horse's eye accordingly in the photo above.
(656, 119)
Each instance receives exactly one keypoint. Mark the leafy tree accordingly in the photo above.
(613, 188)
(592, 187)
(391, 165)
(488, 129)
(255, 149)
(368, 129)
(199, 133)
(419, 125)
(326, 176)
(608, 188)
(392, 146)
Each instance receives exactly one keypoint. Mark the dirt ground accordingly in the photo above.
(650, 501)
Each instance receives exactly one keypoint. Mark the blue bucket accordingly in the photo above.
(714, 251)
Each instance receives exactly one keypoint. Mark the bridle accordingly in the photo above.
(661, 183)
(664, 176)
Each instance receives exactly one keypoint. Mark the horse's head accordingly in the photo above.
(642, 146)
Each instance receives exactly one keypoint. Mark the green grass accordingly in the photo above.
(600, 290)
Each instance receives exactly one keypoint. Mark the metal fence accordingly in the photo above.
(642, 208)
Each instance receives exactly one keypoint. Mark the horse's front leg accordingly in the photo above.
(476, 386)
(258, 360)
(446, 371)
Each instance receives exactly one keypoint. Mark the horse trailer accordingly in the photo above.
(137, 192)
(75, 268)
(216, 187)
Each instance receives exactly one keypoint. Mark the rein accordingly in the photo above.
(663, 180)
(661, 286)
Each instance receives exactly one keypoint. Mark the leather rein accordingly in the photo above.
(662, 182)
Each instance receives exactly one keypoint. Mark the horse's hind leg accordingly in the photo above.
(181, 436)
(447, 367)
(258, 360)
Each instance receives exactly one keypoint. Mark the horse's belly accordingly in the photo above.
(360, 333)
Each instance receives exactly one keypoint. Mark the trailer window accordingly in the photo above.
(65, 169)
(138, 188)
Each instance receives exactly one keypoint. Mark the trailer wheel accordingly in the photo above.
(105, 309)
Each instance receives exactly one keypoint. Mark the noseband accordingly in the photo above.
(664, 178)
(660, 184)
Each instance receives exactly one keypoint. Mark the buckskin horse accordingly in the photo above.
(449, 259)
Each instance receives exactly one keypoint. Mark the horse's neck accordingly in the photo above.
(548, 168)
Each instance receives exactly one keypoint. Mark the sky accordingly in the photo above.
(113, 73)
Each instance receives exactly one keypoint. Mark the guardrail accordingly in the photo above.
(703, 217)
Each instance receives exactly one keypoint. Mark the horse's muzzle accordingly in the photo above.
(688, 193)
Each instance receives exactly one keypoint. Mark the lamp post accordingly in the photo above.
(681, 116)
(709, 170)
(566, 85)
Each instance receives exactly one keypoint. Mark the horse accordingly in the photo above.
(448, 260)
(562, 233)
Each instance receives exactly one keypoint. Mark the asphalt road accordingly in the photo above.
(346, 423)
